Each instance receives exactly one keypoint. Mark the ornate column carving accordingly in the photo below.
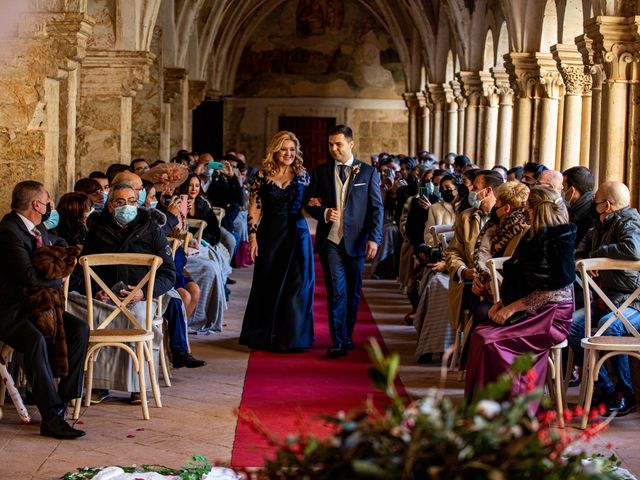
(575, 77)
(615, 48)
(461, 103)
(505, 116)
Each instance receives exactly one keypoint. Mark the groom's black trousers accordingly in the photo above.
(343, 276)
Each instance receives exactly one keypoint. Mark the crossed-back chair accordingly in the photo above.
(219, 213)
(436, 230)
(445, 238)
(141, 335)
(596, 343)
(200, 225)
(555, 383)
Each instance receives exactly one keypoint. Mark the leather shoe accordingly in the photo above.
(230, 281)
(337, 351)
(621, 405)
(188, 361)
(56, 427)
(350, 345)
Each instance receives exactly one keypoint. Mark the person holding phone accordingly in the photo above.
(279, 314)
(194, 205)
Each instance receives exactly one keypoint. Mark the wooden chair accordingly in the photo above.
(220, 213)
(596, 343)
(436, 230)
(444, 238)
(101, 336)
(555, 383)
(199, 226)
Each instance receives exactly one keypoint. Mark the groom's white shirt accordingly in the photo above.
(337, 229)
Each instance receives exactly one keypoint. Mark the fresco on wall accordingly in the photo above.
(316, 48)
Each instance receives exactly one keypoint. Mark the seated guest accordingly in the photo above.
(442, 213)
(468, 224)
(114, 169)
(102, 179)
(530, 173)
(551, 179)
(615, 235)
(501, 170)
(535, 311)
(577, 191)
(21, 233)
(199, 208)
(91, 187)
(73, 209)
(514, 173)
(151, 200)
(124, 228)
(139, 166)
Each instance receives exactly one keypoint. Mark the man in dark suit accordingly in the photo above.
(21, 233)
(349, 229)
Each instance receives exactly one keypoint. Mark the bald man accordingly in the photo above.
(616, 235)
(551, 179)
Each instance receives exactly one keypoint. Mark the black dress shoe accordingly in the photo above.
(56, 427)
(337, 351)
(350, 345)
(230, 281)
(621, 405)
(188, 361)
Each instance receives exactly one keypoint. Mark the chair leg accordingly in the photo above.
(456, 349)
(89, 380)
(591, 362)
(141, 376)
(164, 366)
(152, 374)
(557, 364)
(3, 393)
(568, 373)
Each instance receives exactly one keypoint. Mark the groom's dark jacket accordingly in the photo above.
(363, 211)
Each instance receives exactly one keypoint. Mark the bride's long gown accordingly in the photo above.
(279, 312)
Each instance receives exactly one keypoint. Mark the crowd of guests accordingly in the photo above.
(544, 221)
(134, 208)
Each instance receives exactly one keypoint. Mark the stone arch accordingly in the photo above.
(489, 51)
(550, 34)
(570, 20)
(450, 68)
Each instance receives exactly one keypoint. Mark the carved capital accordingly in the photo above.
(197, 89)
(490, 97)
(551, 84)
(115, 73)
(523, 73)
(615, 45)
(571, 67)
(471, 86)
(173, 83)
(501, 79)
(422, 101)
(438, 96)
(457, 93)
(411, 100)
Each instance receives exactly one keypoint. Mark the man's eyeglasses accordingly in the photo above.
(121, 202)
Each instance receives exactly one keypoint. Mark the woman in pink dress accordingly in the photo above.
(537, 298)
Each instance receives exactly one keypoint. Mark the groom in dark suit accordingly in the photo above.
(349, 230)
(21, 232)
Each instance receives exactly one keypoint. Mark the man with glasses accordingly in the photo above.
(531, 172)
(21, 233)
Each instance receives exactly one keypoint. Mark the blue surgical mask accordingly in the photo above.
(125, 214)
(52, 221)
(153, 204)
(436, 190)
(473, 200)
(142, 196)
(209, 172)
(105, 196)
(97, 207)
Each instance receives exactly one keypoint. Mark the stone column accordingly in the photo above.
(411, 102)
(522, 70)
(505, 116)
(551, 89)
(472, 89)
(437, 94)
(451, 144)
(592, 153)
(109, 81)
(425, 121)
(571, 67)
(176, 87)
(462, 105)
(614, 47)
(491, 101)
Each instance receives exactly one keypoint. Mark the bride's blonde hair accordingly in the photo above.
(269, 162)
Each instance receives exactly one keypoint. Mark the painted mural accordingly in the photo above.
(320, 48)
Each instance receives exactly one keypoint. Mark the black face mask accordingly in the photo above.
(47, 213)
(494, 215)
(447, 195)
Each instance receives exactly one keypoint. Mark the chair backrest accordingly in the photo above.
(495, 265)
(113, 259)
(200, 225)
(588, 283)
(436, 230)
(444, 238)
(182, 239)
(219, 212)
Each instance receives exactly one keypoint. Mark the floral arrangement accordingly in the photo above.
(493, 438)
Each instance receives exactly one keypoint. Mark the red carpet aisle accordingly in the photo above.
(277, 386)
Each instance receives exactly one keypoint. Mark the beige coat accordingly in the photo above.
(439, 214)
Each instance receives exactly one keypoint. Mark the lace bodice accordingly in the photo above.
(271, 199)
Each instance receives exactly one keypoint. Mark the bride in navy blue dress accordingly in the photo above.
(279, 314)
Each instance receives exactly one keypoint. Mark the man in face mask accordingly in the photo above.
(577, 191)
(468, 224)
(615, 235)
(21, 233)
